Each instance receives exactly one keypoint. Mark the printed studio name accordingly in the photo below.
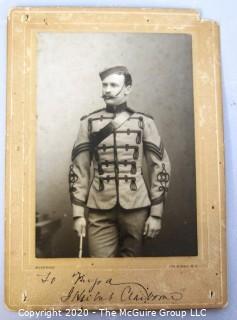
(104, 312)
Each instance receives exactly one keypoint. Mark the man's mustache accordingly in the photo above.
(106, 96)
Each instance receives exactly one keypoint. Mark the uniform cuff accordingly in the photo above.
(157, 210)
(76, 201)
(158, 200)
(77, 211)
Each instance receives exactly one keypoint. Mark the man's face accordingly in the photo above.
(114, 90)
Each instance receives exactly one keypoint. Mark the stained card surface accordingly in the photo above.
(115, 160)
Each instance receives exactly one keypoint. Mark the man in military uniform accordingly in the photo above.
(106, 173)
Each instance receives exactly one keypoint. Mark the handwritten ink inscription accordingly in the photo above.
(85, 289)
(47, 278)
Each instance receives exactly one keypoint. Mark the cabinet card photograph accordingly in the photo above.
(115, 163)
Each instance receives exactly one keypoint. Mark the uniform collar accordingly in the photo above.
(116, 109)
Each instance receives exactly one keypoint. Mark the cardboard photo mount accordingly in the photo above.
(89, 283)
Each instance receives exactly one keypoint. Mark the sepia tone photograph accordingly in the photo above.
(115, 191)
(115, 146)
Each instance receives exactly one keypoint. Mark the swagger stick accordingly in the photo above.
(80, 246)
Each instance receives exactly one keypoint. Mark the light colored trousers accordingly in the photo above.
(116, 232)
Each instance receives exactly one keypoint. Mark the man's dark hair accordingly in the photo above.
(127, 79)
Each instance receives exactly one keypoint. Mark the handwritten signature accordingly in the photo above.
(123, 291)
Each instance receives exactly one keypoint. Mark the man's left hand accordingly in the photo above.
(152, 227)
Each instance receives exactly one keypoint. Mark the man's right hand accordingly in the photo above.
(80, 226)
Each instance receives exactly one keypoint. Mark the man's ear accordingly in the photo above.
(128, 89)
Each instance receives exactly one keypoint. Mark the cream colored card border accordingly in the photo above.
(201, 280)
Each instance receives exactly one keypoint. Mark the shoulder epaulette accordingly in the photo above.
(145, 114)
(86, 116)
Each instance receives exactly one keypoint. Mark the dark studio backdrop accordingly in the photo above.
(68, 86)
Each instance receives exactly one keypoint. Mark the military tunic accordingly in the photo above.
(110, 174)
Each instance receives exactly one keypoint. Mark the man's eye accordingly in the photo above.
(113, 85)
(104, 85)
